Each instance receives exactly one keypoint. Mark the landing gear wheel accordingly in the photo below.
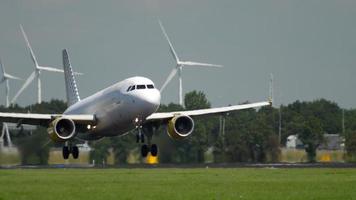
(154, 150)
(144, 150)
(75, 152)
(65, 152)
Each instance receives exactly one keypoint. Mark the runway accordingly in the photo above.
(188, 166)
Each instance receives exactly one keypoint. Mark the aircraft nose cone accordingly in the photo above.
(153, 98)
(150, 100)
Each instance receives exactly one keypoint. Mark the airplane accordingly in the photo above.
(114, 111)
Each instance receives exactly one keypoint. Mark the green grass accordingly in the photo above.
(194, 184)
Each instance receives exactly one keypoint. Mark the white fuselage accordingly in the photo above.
(117, 109)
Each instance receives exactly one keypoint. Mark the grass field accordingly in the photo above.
(240, 183)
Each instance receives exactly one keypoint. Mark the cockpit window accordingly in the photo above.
(128, 89)
(132, 88)
(141, 87)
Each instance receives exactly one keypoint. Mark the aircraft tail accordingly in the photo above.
(71, 85)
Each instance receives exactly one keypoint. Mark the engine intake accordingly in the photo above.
(61, 129)
(179, 127)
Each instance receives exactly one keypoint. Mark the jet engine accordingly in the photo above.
(61, 129)
(179, 127)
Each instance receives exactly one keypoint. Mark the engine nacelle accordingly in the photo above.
(61, 129)
(179, 127)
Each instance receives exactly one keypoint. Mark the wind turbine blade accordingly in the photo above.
(198, 64)
(12, 77)
(33, 57)
(169, 78)
(78, 73)
(5, 75)
(173, 52)
(2, 68)
(50, 69)
(24, 86)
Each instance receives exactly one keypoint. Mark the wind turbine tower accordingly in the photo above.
(35, 74)
(271, 99)
(179, 66)
(5, 129)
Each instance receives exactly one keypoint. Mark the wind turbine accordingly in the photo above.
(179, 66)
(35, 74)
(5, 79)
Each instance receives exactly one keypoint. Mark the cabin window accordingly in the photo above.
(132, 88)
(150, 86)
(141, 87)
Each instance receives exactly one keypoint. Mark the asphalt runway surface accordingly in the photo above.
(210, 165)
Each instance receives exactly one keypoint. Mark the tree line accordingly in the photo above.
(249, 135)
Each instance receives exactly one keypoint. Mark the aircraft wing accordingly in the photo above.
(43, 119)
(204, 112)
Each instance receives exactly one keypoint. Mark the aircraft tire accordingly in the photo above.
(65, 152)
(75, 152)
(144, 150)
(154, 150)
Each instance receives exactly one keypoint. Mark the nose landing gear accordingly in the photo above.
(147, 148)
(140, 137)
(153, 149)
(144, 150)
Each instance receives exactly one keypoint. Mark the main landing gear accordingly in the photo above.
(146, 148)
(69, 149)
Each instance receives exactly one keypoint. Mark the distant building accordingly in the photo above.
(331, 142)
(84, 147)
(294, 143)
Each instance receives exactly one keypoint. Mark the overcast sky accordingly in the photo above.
(309, 46)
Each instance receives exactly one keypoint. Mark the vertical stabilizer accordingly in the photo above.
(71, 85)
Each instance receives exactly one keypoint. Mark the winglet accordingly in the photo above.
(71, 85)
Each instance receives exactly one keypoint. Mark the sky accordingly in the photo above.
(308, 45)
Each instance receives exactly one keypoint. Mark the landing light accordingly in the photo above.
(90, 127)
